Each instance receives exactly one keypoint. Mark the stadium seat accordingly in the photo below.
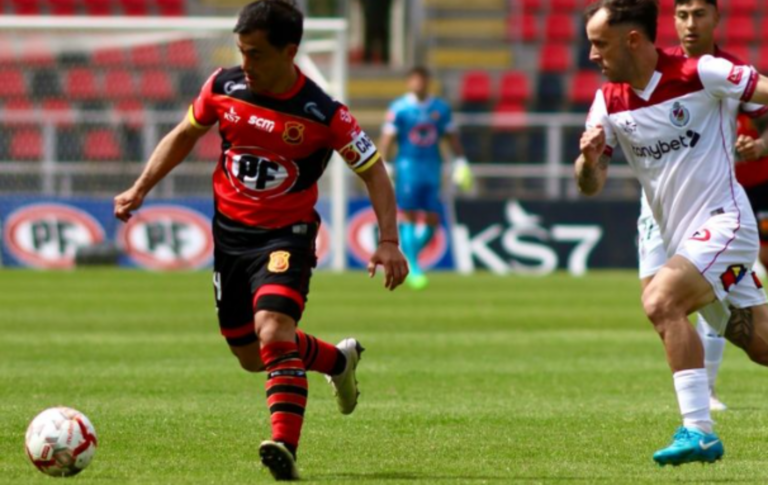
(37, 52)
(762, 59)
(529, 6)
(208, 149)
(80, 84)
(666, 8)
(62, 7)
(64, 113)
(109, 57)
(564, 6)
(666, 35)
(560, 28)
(26, 144)
(584, 84)
(475, 91)
(45, 84)
(148, 55)
(550, 95)
(156, 86)
(523, 28)
(555, 58)
(182, 54)
(17, 105)
(515, 89)
(738, 29)
(740, 51)
(26, 7)
(118, 84)
(507, 141)
(171, 7)
(12, 83)
(135, 7)
(98, 7)
(101, 145)
(748, 7)
(131, 113)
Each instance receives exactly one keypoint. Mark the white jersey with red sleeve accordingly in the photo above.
(677, 135)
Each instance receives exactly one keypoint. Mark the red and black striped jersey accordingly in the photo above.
(274, 148)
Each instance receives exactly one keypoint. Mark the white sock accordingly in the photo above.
(692, 387)
(714, 345)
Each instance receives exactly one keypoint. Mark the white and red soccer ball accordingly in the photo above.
(60, 441)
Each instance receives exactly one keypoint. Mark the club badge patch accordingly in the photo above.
(278, 261)
(293, 133)
(733, 275)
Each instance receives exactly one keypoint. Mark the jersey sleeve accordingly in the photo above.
(202, 112)
(723, 79)
(753, 110)
(448, 125)
(353, 144)
(598, 116)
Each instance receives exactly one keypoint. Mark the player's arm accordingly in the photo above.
(379, 187)
(761, 91)
(592, 164)
(169, 153)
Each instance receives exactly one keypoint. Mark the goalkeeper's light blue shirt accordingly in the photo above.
(418, 127)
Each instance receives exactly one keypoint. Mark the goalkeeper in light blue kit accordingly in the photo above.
(417, 122)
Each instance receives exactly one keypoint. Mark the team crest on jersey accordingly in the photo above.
(627, 125)
(279, 261)
(259, 174)
(733, 275)
(293, 133)
(679, 116)
(736, 74)
(423, 135)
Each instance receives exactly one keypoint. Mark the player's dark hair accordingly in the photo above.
(686, 2)
(642, 13)
(281, 19)
(420, 71)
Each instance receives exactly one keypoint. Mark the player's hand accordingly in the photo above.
(127, 202)
(395, 265)
(462, 174)
(592, 144)
(748, 148)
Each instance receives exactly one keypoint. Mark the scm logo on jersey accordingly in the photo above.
(258, 173)
(165, 237)
(48, 235)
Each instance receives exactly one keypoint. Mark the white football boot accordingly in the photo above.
(345, 384)
(715, 404)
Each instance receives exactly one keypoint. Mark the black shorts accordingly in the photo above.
(256, 269)
(758, 198)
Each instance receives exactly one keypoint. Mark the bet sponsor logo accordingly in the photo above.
(168, 237)
(48, 235)
(661, 148)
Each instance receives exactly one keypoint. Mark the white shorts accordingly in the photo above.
(651, 254)
(724, 250)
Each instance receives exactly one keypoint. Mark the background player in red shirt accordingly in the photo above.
(279, 130)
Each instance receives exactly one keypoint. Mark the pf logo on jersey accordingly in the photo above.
(258, 173)
(679, 116)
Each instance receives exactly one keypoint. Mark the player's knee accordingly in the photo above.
(274, 327)
(659, 308)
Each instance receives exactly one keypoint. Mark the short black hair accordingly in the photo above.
(420, 71)
(686, 2)
(281, 19)
(643, 13)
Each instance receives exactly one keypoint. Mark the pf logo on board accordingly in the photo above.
(48, 235)
(166, 237)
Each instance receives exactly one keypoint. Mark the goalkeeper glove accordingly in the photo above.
(462, 174)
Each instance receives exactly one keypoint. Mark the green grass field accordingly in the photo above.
(478, 379)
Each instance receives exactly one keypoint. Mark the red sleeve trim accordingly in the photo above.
(280, 290)
(756, 113)
(751, 85)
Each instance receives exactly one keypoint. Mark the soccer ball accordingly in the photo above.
(60, 442)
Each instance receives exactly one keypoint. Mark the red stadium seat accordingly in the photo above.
(131, 112)
(37, 52)
(156, 86)
(666, 8)
(119, 84)
(739, 29)
(667, 35)
(560, 28)
(748, 7)
(19, 105)
(101, 145)
(515, 88)
(135, 7)
(26, 144)
(564, 6)
(98, 7)
(523, 28)
(171, 7)
(182, 54)
(555, 58)
(65, 114)
(109, 57)
(530, 5)
(12, 83)
(62, 7)
(584, 85)
(505, 108)
(80, 84)
(208, 149)
(26, 7)
(148, 55)
(762, 59)
(740, 51)
(476, 87)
